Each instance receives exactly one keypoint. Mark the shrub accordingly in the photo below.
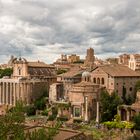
(45, 112)
(137, 122)
(30, 110)
(40, 104)
(121, 125)
(52, 117)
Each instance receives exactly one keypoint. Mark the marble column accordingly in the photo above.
(3, 92)
(14, 94)
(11, 93)
(21, 91)
(82, 108)
(128, 115)
(27, 93)
(97, 112)
(86, 109)
(18, 91)
(7, 92)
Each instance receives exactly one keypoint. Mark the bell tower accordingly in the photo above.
(20, 68)
(90, 58)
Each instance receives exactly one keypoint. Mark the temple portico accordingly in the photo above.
(11, 91)
(127, 112)
(27, 83)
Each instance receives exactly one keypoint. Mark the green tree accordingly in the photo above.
(136, 121)
(109, 105)
(128, 100)
(12, 124)
(137, 86)
(6, 72)
(30, 110)
(40, 104)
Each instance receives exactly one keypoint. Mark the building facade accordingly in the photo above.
(124, 59)
(83, 98)
(28, 82)
(73, 58)
(127, 112)
(69, 78)
(116, 78)
(134, 62)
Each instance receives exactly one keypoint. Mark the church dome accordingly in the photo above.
(86, 74)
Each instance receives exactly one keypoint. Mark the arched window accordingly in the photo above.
(103, 81)
(19, 71)
(88, 78)
(94, 80)
(98, 80)
(85, 78)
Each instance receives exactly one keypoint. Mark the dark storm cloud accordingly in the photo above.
(44, 29)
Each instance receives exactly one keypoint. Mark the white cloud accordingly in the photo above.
(44, 29)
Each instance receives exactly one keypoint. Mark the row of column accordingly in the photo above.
(11, 92)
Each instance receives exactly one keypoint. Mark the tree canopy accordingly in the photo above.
(137, 122)
(12, 124)
(137, 86)
(109, 105)
(5, 72)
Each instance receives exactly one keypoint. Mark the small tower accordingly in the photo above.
(90, 58)
(20, 68)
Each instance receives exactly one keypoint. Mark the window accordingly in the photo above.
(103, 81)
(130, 88)
(98, 80)
(88, 79)
(94, 80)
(19, 71)
(77, 112)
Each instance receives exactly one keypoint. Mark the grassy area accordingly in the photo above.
(103, 134)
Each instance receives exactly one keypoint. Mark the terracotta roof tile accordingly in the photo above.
(37, 64)
(73, 72)
(119, 71)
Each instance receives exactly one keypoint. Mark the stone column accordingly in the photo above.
(82, 110)
(11, 93)
(128, 115)
(18, 91)
(86, 109)
(97, 112)
(7, 90)
(21, 91)
(3, 91)
(14, 94)
(27, 93)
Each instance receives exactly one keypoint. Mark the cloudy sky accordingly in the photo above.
(43, 29)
